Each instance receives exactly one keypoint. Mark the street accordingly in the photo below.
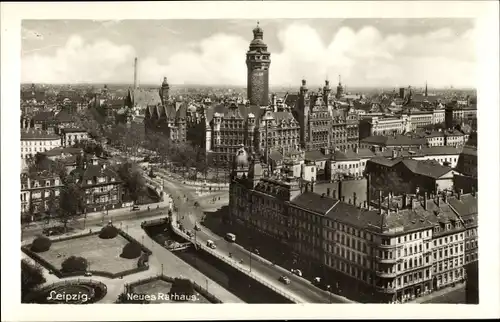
(189, 215)
(96, 219)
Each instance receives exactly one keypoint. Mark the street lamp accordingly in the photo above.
(329, 294)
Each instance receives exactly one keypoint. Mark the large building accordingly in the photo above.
(373, 126)
(35, 141)
(391, 254)
(323, 124)
(166, 116)
(258, 61)
(101, 185)
(456, 114)
(261, 130)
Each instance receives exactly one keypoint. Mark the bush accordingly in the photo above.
(41, 244)
(182, 287)
(31, 277)
(74, 264)
(108, 232)
(131, 250)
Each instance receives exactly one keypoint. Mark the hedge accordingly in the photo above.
(182, 286)
(41, 244)
(108, 232)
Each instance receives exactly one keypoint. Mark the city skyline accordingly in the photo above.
(365, 52)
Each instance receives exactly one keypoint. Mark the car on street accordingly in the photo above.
(231, 237)
(190, 233)
(135, 208)
(211, 244)
(197, 228)
(296, 271)
(284, 279)
(88, 274)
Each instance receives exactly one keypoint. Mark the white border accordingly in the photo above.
(486, 13)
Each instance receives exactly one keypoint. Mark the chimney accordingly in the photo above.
(380, 202)
(368, 190)
(135, 73)
(354, 198)
(328, 192)
(340, 190)
(425, 200)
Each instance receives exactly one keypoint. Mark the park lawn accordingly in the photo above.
(102, 254)
(160, 286)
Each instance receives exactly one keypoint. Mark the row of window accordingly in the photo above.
(47, 142)
(448, 264)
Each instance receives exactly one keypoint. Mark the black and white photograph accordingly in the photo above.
(251, 160)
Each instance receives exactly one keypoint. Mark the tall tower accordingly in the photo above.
(340, 89)
(135, 73)
(326, 92)
(258, 61)
(425, 89)
(164, 91)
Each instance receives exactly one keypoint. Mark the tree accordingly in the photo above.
(182, 287)
(131, 250)
(71, 202)
(74, 264)
(31, 277)
(133, 180)
(108, 232)
(52, 204)
(41, 244)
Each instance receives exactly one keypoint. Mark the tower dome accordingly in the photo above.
(241, 158)
(258, 33)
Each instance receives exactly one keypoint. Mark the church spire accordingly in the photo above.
(425, 88)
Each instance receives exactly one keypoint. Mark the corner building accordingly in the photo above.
(258, 61)
(408, 247)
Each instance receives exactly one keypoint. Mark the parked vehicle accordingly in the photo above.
(88, 274)
(284, 279)
(231, 237)
(296, 271)
(211, 244)
(197, 228)
(135, 208)
(190, 233)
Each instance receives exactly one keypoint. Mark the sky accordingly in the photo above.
(365, 52)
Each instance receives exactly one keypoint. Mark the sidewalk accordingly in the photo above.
(190, 183)
(435, 294)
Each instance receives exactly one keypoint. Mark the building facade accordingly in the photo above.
(71, 136)
(258, 60)
(101, 185)
(384, 126)
(375, 255)
(38, 190)
(167, 117)
(35, 141)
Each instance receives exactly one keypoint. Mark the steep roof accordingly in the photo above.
(144, 98)
(43, 116)
(63, 116)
